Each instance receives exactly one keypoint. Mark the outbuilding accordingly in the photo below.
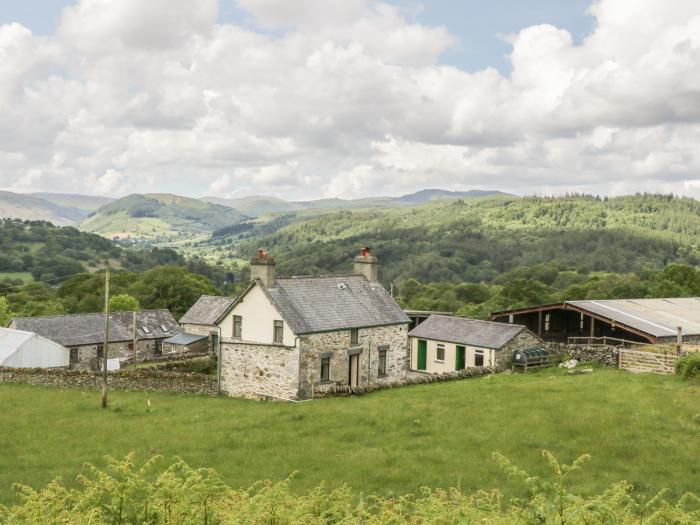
(20, 349)
(443, 344)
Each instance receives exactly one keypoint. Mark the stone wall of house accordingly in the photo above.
(257, 370)
(88, 359)
(198, 329)
(525, 339)
(337, 346)
(604, 355)
(134, 380)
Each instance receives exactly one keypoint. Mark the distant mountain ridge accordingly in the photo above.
(29, 207)
(86, 203)
(258, 205)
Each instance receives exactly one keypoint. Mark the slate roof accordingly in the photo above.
(468, 332)
(184, 339)
(322, 304)
(88, 329)
(208, 310)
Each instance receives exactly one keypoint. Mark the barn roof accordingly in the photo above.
(657, 317)
(185, 339)
(87, 329)
(468, 332)
(322, 304)
(208, 310)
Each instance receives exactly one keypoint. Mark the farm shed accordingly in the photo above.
(182, 343)
(446, 344)
(19, 349)
(634, 320)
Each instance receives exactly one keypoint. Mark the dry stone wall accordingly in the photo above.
(134, 380)
(604, 355)
(525, 339)
(256, 370)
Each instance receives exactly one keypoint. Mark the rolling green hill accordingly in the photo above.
(159, 217)
(34, 208)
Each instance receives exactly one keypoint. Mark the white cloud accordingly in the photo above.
(346, 100)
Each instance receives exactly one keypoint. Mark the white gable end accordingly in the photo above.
(258, 315)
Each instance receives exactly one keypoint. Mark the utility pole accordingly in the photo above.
(105, 348)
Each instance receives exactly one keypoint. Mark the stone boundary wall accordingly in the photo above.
(165, 358)
(413, 378)
(130, 380)
(603, 355)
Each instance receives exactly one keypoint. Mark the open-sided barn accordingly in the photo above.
(636, 320)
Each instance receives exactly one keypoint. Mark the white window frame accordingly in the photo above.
(438, 347)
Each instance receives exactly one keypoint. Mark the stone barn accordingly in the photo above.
(131, 334)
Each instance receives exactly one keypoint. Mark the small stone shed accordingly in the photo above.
(445, 344)
(186, 343)
(203, 316)
(131, 334)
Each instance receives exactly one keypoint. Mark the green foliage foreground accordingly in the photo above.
(127, 493)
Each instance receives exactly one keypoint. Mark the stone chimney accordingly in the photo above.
(366, 264)
(262, 267)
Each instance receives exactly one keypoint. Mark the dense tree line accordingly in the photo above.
(546, 283)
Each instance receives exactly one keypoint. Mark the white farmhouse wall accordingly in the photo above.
(258, 315)
(434, 366)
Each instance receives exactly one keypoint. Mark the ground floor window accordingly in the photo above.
(382, 361)
(325, 369)
(100, 351)
(479, 358)
(74, 356)
(158, 348)
(440, 356)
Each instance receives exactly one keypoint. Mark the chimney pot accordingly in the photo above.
(366, 265)
(262, 268)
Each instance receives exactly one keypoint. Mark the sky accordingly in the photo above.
(349, 98)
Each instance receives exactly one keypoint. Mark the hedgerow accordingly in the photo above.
(126, 493)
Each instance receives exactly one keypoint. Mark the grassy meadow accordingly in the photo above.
(641, 428)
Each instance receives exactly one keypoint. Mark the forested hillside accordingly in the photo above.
(46, 270)
(476, 240)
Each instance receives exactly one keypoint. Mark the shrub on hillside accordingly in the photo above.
(126, 493)
(689, 366)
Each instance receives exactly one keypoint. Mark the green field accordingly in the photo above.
(642, 428)
(26, 277)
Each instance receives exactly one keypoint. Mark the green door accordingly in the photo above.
(422, 354)
(460, 358)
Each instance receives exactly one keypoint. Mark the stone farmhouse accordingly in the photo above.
(131, 334)
(446, 344)
(295, 337)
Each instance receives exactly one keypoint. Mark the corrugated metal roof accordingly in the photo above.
(88, 329)
(320, 304)
(657, 317)
(184, 339)
(468, 332)
(207, 310)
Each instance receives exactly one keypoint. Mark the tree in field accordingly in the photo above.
(123, 303)
(170, 287)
